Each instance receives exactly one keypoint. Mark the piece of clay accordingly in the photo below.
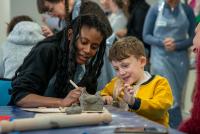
(91, 102)
(74, 109)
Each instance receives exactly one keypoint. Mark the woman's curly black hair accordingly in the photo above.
(67, 57)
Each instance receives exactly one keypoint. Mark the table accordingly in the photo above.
(120, 118)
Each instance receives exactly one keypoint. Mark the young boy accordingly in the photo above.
(147, 95)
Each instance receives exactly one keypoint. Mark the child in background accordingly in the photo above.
(147, 95)
(23, 35)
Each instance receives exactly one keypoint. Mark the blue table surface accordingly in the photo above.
(120, 118)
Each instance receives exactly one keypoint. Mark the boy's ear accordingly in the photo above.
(143, 61)
(70, 34)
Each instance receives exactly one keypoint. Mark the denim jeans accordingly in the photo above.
(175, 116)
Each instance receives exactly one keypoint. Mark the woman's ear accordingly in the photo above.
(70, 34)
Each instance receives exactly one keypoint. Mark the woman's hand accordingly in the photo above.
(121, 33)
(46, 31)
(107, 100)
(169, 44)
(72, 97)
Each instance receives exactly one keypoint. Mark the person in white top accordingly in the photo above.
(117, 16)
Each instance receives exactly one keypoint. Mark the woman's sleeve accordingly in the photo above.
(149, 25)
(35, 72)
(184, 44)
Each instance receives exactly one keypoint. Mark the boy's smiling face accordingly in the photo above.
(131, 69)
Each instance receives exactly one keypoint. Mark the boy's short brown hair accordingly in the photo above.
(125, 47)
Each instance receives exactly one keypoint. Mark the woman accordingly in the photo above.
(81, 45)
(51, 24)
(169, 29)
(92, 8)
(117, 18)
(57, 13)
(116, 14)
(63, 9)
(107, 70)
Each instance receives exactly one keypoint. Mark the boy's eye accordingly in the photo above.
(124, 65)
(116, 69)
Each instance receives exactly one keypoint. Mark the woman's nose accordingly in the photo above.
(86, 49)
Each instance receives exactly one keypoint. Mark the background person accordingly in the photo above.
(23, 34)
(169, 30)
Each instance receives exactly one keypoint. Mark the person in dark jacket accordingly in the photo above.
(169, 30)
(75, 53)
(137, 10)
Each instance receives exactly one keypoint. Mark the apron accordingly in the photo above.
(173, 65)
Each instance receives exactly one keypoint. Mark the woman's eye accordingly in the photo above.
(84, 41)
(50, 10)
(94, 47)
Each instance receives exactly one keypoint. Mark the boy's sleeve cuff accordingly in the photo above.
(136, 105)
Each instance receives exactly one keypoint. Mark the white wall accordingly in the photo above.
(24, 7)
(11, 8)
(151, 1)
(4, 18)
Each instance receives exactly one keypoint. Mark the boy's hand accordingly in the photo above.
(128, 94)
(107, 100)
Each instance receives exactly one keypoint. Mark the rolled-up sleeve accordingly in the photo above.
(35, 72)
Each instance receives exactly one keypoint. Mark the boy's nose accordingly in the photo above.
(121, 72)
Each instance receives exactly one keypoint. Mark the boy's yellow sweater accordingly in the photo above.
(153, 99)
